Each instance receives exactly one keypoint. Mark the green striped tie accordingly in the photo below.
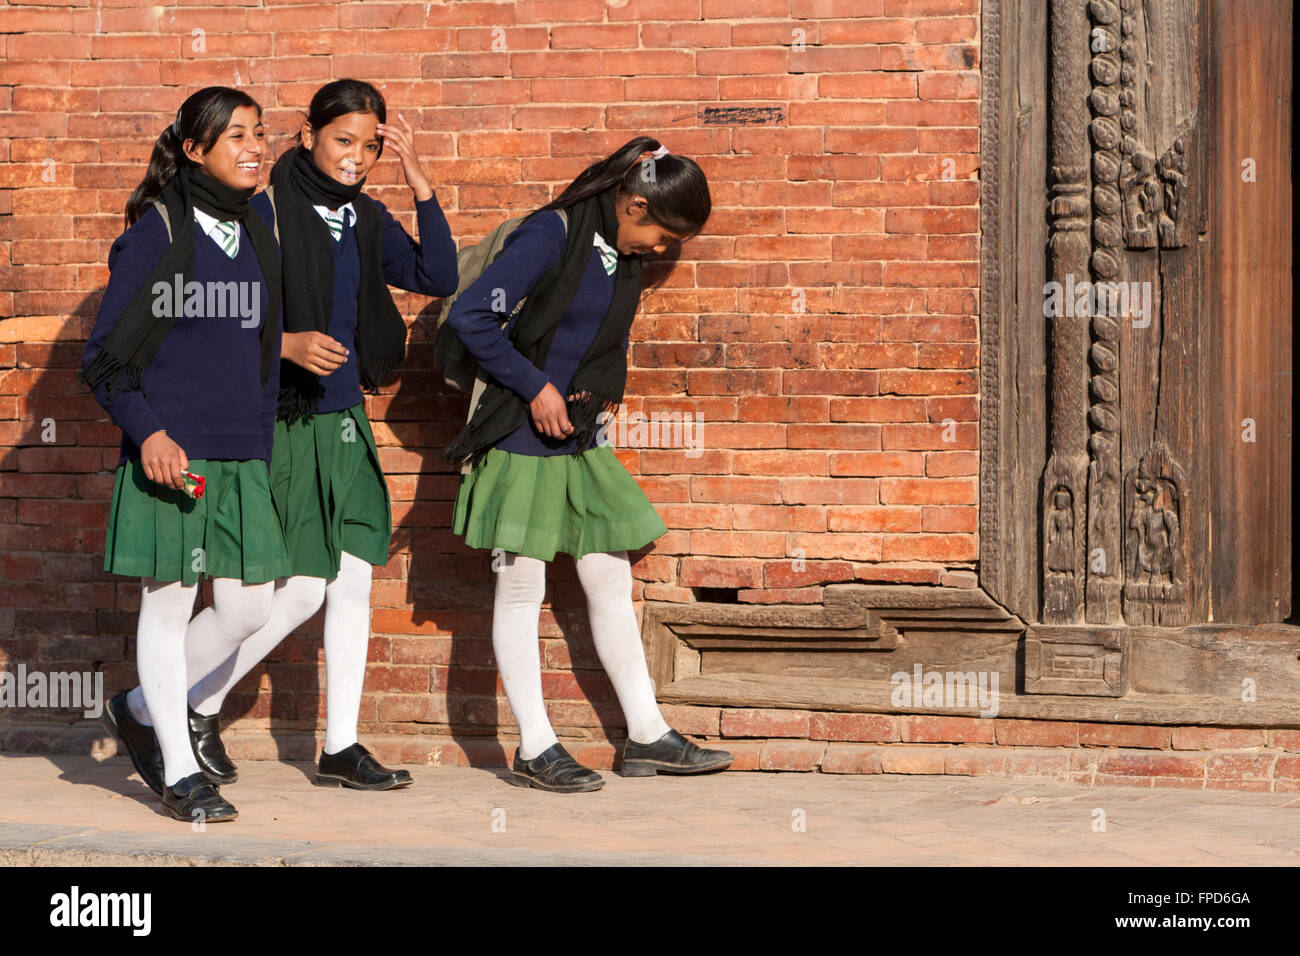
(608, 254)
(336, 225)
(228, 238)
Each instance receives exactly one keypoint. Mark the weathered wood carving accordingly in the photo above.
(1111, 192)
(1155, 554)
(1069, 247)
(1103, 566)
(1076, 660)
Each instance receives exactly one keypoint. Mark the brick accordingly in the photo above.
(937, 729)
(896, 574)
(791, 755)
(1036, 733)
(851, 758)
(788, 575)
(928, 491)
(854, 727)
(720, 573)
(1286, 768)
(1239, 766)
(745, 752)
(1216, 738)
(873, 518)
(764, 723)
(778, 518)
(1123, 764)
(912, 759)
(1037, 763)
(693, 721)
(1286, 739)
(1124, 735)
(811, 595)
(975, 761)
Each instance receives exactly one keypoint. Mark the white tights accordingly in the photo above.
(606, 579)
(170, 647)
(296, 599)
(218, 657)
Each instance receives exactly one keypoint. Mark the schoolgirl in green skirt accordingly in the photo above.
(539, 481)
(341, 250)
(190, 372)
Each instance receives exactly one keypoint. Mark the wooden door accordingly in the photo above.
(1136, 447)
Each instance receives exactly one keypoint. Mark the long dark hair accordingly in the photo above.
(203, 118)
(338, 99)
(675, 188)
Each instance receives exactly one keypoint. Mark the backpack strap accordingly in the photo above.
(162, 211)
(275, 213)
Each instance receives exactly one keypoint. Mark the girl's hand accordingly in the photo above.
(314, 351)
(163, 460)
(402, 142)
(549, 413)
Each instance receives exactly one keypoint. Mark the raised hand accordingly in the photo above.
(401, 139)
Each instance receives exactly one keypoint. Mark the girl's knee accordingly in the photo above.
(243, 610)
(520, 579)
(353, 580)
(300, 596)
(602, 572)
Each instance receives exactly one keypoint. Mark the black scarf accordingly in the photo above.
(602, 374)
(130, 346)
(309, 279)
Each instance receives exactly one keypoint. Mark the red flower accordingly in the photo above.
(193, 485)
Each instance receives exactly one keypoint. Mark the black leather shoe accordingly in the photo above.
(354, 767)
(208, 749)
(671, 753)
(553, 769)
(196, 798)
(139, 740)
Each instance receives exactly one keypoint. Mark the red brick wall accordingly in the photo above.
(823, 327)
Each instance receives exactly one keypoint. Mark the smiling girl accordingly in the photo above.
(540, 483)
(341, 250)
(193, 389)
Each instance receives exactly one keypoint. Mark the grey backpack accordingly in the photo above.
(459, 368)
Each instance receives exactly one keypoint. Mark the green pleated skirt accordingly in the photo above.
(231, 532)
(538, 505)
(330, 493)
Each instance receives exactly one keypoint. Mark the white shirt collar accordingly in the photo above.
(337, 215)
(208, 223)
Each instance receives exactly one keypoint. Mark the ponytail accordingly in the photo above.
(203, 117)
(167, 158)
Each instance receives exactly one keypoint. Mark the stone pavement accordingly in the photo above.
(60, 810)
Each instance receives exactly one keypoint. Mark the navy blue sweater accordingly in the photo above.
(528, 252)
(203, 386)
(427, 266)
